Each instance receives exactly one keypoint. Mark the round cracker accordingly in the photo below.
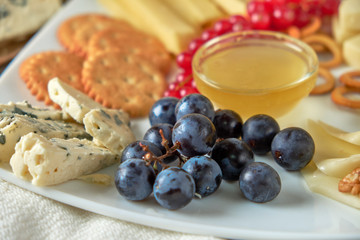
(69, 27)
(122, 81)
(141, 44)
(23, 69)
(44, 66)
(88, 29)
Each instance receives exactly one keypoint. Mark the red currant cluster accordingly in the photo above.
(281, 14)
(184, 83)
(275, 15)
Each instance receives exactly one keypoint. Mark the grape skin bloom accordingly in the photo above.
(206, 173)
(228, 124)
(195, 133)
(293, 148)
(259, 182)
(232, 155)
(134, 179)
(174, 188)
(195, 103)
(134, 150)
(153, 135)
(163, 111)
(259, 131)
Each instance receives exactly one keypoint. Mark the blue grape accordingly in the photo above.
(163, 111)
(258, 132)
(153, 135)
(206, 174)
(293, 148)
(259, 182)
(232, 155)
(195, 133)
(195, 103)
(134, 150)
(134, 179)
(174, 188)
(228, 124)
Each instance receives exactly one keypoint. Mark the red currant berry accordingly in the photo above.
(270, 4)
(302, 17)
(282, 17)
(195, 44)
(173, 86)
(256, 6)
(239, 23)
(187, 90)
(314, 7)
(222, 26)
(260, 21)
(172, 93)
(237, 19)
(330, 7)
(237, 27)
(208, 34)
(183, 60)
(182, 76)
(294, 1)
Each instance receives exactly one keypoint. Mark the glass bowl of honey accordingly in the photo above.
(255, 72)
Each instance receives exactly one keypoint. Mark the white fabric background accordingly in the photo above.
(26, 215)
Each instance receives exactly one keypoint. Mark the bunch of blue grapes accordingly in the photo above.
(191, 148)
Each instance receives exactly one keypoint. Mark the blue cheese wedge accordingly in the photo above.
(52, 161)
(109, 127)
(14, 126)
(71, 100)
(25, 108)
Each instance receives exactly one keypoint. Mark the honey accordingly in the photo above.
(254, 75)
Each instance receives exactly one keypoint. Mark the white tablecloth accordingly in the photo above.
(26, 215)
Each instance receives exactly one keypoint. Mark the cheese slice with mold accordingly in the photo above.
(52, 161)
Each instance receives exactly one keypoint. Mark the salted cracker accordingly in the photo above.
(122, 81)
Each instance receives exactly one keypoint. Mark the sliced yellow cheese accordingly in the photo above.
(182, 9)
(349, 14)
(339, 167)
(232, 7)
(116, 10)
(203, 10)
(351, 51)
(351, 137)
(328, 146)
(156, 18)
(323, 184)
(337, 152)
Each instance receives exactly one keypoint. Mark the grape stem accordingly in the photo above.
(150, 157)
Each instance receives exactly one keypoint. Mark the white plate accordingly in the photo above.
(296, 213)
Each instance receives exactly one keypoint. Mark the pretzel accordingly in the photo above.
(294, 32)
(338, 96)
(327, 86)
(349, 79)
(330, 44)
(318, 47)
(311, 28)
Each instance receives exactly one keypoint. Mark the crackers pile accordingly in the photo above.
(106, 58)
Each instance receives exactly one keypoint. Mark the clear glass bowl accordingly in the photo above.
(255, 72)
